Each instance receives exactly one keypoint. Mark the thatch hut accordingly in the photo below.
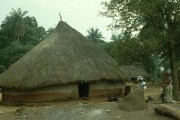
(65, 65)
(133, 71)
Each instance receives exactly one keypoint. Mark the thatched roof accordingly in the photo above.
(64, 56)
(134, 71)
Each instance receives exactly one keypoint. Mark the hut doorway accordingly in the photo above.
(83, 89)
(127, 90)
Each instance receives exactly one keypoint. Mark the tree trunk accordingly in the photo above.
(155, 71)
(168, 111)
(175, 81)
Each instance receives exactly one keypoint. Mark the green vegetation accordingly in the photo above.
(149, 35)
(95, 35)
(18, 34)
(158, 23)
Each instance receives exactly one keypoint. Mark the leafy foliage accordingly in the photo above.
(15, 23)
(18, 34)
(157, 21)
(95, 35)
(130, 51)
(12, 53)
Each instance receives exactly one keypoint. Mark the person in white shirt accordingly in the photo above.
(141, 82)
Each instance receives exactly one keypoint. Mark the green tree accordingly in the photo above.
(177, 39)
(164, 15)
(11, 54)
(34, 32)
(13, 48)
(15, 23)
(95, 35)
(116, 37)
(50, 30)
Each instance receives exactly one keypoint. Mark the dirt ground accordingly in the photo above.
(91, 109)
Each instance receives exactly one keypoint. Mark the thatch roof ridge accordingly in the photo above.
(64, 56)
(134, 71)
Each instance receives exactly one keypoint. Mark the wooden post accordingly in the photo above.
(168, 111)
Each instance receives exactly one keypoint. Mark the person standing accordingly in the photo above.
(141, 83)
(167, 92)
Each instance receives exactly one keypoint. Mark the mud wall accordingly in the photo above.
(42, 95)
(65, 92)
(106, 89)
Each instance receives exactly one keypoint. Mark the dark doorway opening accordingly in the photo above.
(134, 80)
(127, 90)
(83, 89)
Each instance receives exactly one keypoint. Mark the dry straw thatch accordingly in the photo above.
(134, 101)
(65, 56)
(134, 71)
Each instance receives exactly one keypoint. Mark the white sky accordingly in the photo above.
(79, 14)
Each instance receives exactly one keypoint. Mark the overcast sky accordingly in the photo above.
(79, 14)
